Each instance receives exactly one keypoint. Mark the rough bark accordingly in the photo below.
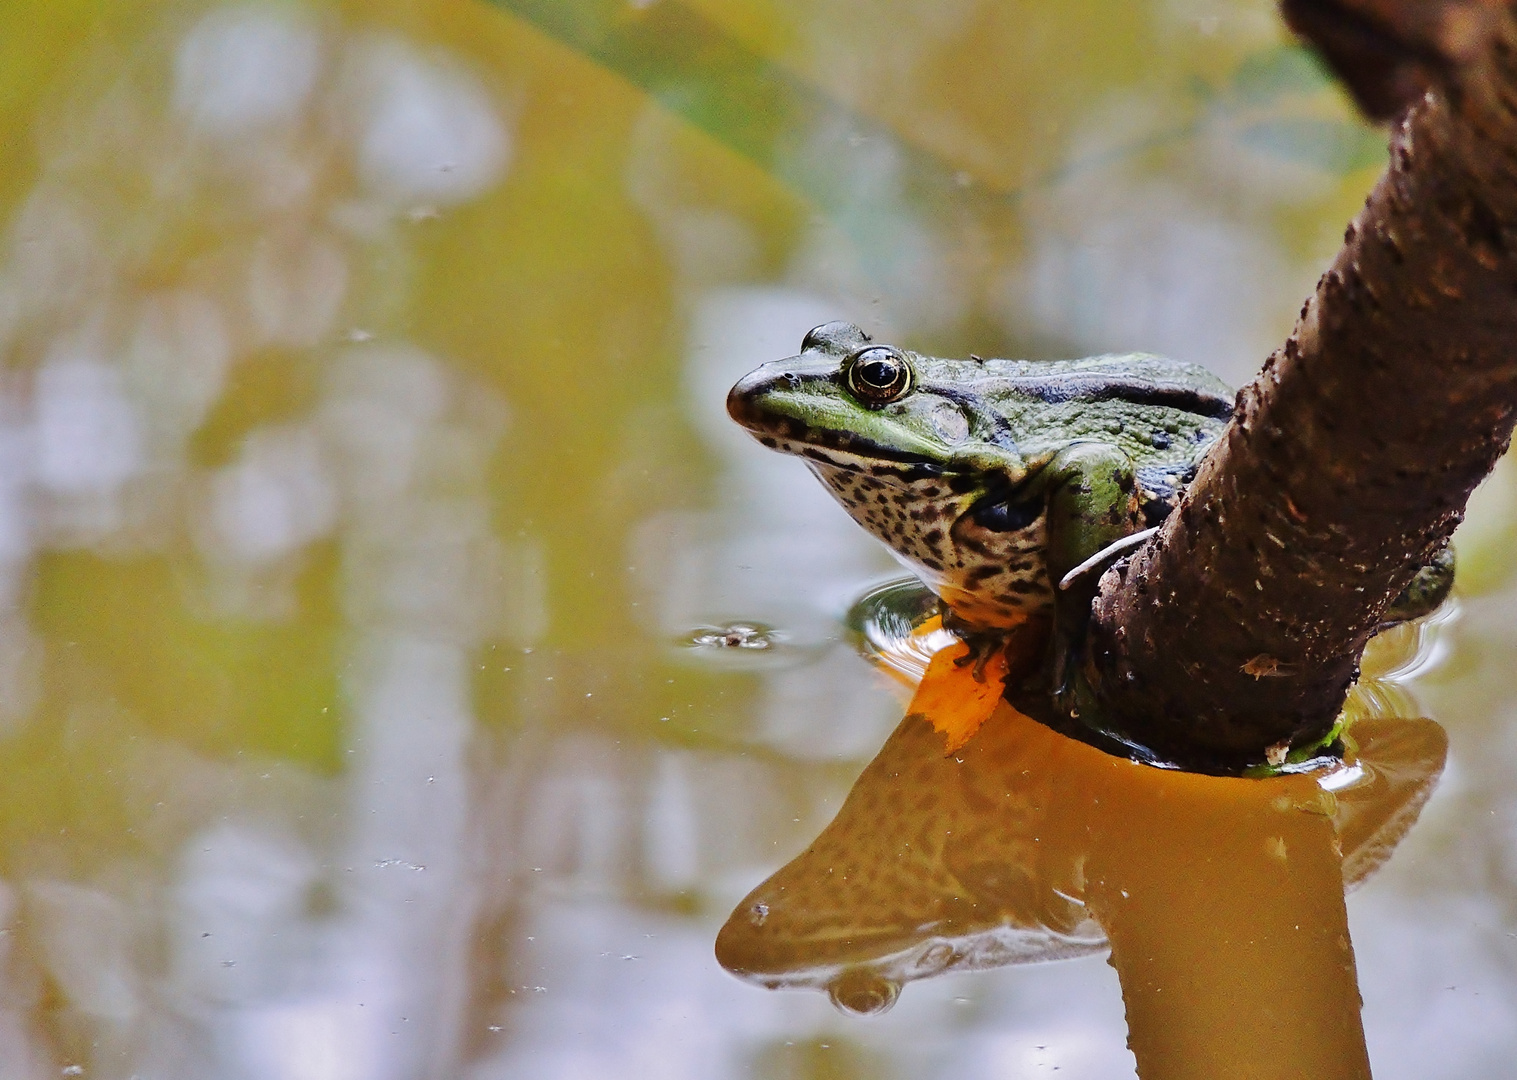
(1351, 456)
(1388, 52)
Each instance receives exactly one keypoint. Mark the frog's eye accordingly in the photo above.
(878, 375)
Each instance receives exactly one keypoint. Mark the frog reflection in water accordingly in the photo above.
(1008, 486)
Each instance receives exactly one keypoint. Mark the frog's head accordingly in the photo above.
(873, 409)
(900, 439)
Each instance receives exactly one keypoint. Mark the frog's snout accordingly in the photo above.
(742, 396)
(744, 400)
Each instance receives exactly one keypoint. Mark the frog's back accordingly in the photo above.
(1134, 378)
(1162, 413)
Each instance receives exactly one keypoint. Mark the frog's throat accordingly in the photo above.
(986, 615)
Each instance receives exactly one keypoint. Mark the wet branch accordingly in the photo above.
(1351, 456)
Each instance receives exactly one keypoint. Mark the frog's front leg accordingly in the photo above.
(1092, 503)
(1015, 653)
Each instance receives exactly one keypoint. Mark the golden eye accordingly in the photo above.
(878, 375)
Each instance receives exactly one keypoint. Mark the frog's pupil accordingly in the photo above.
(879, 375)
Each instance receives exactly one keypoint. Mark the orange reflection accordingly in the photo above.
(1221, 898)
(958, 693)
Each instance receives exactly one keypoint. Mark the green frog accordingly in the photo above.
(1008, 486)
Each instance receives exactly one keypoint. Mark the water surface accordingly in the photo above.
(365, 492)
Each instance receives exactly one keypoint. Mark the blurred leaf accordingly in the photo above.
(697, 70)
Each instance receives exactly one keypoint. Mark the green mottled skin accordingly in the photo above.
(992, 479)
(971, 434)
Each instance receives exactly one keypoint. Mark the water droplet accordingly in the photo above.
(863, 992)
(758, 913)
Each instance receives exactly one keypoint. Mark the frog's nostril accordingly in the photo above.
(745, 401)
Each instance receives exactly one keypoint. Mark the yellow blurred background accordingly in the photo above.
(365, 486)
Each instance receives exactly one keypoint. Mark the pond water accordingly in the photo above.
(371, 525)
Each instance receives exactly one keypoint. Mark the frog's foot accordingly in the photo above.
(1429, 588)
(1023, 645)
(982, 646)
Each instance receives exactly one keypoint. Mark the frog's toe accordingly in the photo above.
(1429, 588)
(982, 649)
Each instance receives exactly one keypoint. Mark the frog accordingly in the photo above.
(1007, 486)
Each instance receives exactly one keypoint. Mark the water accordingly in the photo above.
(364, 484)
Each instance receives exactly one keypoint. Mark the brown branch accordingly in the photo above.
(1389, 52)
(1351, 456)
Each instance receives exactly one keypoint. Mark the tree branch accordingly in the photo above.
(1389, 52)
(1349, 460)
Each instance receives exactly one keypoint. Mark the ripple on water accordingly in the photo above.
(742, 644)
(894, 626)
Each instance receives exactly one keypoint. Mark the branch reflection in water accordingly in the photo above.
(1220, 898)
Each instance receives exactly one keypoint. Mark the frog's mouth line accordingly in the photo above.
(896, 466)
(880, 463)
(791, 436)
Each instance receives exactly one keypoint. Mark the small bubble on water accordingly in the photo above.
(382, 863)
(734, 636)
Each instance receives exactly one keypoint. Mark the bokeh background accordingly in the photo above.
(365, 487)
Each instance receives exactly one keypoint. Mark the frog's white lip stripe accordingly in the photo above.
(1110, 553)
(888, 472)
(866, 463)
